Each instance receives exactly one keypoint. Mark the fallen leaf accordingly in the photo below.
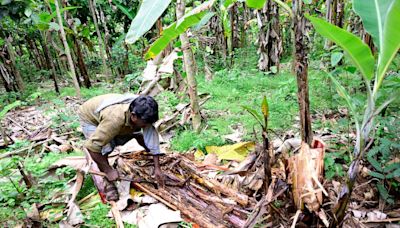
(158, 214)
(52, 214)
(76, 162)
(376, 215)
(359, 214)
(288, 145)
(210, 159)
(74, 215)
(199, 155)
(33, 213)
(131, 146)
(54, 148)
(65, 148)
(236, 152)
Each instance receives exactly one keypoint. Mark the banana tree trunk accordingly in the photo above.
(49, 60)
(6, 79)
(67, 50)
(190, 63)
(36, 53)
(301, 70)
(92, 7)
(81, 63)
(269, 40)
(32, 54)
(17, 74)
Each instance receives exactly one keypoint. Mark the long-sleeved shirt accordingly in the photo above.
(113, 120)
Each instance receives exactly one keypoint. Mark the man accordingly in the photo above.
(113, 119)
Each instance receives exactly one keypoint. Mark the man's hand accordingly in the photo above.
(112, 175)
(157, 172)
(159, 177)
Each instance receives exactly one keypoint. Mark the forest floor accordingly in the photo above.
(224, 115)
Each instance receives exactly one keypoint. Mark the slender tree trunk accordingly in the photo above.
(17, 74)
(92, 7)
(269, 41)
(301, 68)
(243, 36)
(67, 50)
(106, 33)
(189, 62)
(81, 64)
(49, 60)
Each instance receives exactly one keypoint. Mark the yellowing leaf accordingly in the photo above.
(133, 192)
(53, 214)
(236, 152)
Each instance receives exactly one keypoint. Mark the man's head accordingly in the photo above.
(144, 111)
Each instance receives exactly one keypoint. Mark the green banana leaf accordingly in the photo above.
(373, 14)
(203, 21)
(359, 52)
(149, 12)
(172, 32)
(257, 4)
(391, 40)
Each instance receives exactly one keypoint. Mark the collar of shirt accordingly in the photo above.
(128, 118)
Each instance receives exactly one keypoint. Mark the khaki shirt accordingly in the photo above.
(112, 121)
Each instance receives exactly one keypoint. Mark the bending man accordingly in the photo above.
(113, 119)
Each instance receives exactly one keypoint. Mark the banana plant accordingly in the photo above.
(380, 19)
(148, 14)
(262, 120)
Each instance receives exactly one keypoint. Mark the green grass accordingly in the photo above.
(232, 89)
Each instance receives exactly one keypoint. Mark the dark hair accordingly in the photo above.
(145, 108)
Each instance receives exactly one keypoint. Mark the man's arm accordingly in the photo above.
(104, 166)
(104, 133)
(152, 143)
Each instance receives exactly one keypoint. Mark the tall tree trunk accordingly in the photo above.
(106, 33)
(81, 63)
(67, 50)
(17, 74)
(92, 7)
(269, 41)
(189, 62)
(49, 59)
(301, 68)
(243, 36)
